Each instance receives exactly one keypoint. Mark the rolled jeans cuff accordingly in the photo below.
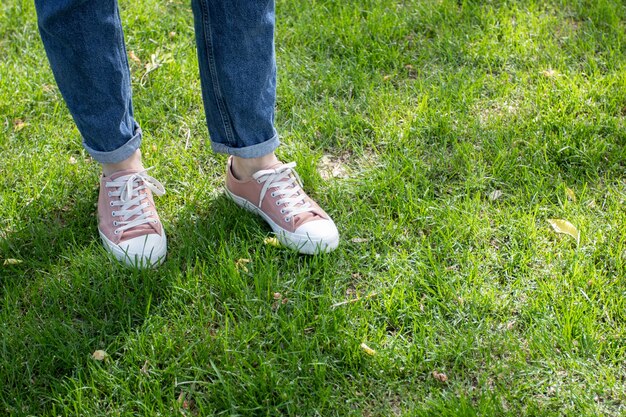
(253, 151)
(119, 154)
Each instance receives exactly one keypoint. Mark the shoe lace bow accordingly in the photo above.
(287, 185)
(133, 203)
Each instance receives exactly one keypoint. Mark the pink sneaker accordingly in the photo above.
(127, 219)
(276, 195)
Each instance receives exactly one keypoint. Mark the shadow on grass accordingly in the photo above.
(63, 299)
(66, 298)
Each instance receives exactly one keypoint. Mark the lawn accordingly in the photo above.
(441, 136)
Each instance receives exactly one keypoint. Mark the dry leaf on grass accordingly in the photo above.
(359, 240)
(157, 59)
(240, 264)
(12, 261)
(565, 227)
(570, 194)
(185, 403)
(272, 241)
(19, 124)
(495, 194)
(550, 73)
(278, 300)
(440, 376)
(330, 167)
(368, 349)
(134, 57)
(99, 355)
(48, 88)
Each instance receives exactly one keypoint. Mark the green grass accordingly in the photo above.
(429, 106)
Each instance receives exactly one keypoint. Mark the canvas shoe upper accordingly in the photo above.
(128, 223)
(276, 194)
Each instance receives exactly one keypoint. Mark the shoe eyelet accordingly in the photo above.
(258, 181)
(273, 194)
(282, 211)
(115, 223)
(278, 203)
(109, 194)
(111, 204)
(155, 221)
(117, 232)
(287, 219)
(113, 214)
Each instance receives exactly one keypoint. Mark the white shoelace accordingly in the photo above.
(131, 201)
(288, 187)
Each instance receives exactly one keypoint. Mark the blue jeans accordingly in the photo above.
(235, 43)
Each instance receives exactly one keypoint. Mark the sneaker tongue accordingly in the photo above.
(118, 174)
(141, 230)
(306, 217)
(276, 165)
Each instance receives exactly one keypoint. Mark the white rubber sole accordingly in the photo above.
(302, 243)
(152, 259)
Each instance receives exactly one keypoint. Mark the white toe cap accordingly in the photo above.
(141, 251)
(318, 236)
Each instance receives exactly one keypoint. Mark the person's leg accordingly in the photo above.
(85, 46)
(84, 43)
(235, 41)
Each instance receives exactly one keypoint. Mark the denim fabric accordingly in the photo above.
(235, 39)
(235, 42)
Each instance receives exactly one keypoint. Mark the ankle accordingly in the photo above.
(244, 168)
(132, 162)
